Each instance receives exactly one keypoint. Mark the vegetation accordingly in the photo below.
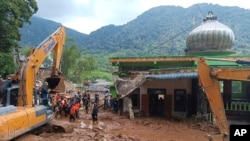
(160, 31)
(76, 63)
(7, 64)
(13, 15)
(79, 66)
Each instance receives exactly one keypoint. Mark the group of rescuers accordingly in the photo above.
(60, 103)
(57, 101)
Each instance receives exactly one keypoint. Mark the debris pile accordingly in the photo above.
(126, 86)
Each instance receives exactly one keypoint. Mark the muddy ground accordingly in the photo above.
(113, 127)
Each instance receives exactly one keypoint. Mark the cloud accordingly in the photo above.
(84, 25)
(88, 15)
(56, 9)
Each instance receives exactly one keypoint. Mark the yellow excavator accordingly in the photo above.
(209, 80)
(22, 115)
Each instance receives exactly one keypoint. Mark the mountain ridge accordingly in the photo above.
(159, 31)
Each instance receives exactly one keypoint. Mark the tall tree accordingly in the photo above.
(69, 58)
(76, 64)
(13, 14)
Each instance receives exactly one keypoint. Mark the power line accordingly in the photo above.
(178, 34)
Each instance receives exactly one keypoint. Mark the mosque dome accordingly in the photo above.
(211, 36)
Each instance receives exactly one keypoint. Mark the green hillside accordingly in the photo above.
(159, 31)
(40, 29)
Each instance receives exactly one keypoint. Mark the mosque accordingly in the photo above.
(169, 86)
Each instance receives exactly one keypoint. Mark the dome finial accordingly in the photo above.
(210, 16)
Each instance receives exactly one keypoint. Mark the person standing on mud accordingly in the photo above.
(106, 100)
(95, 114)
(1, 83)
(96, 99)
(86, 104)
(77, 108)
(115, 105)
(78, 96)
(84, 97)
(44, 94)
(72, 113)
(4, 88)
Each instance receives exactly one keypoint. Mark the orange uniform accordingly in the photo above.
(73, 110)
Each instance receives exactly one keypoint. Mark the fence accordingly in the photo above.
(205, 117)
(237, 105)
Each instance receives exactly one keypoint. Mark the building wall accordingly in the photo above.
(170, 86)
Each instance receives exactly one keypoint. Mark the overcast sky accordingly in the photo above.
(89, 15)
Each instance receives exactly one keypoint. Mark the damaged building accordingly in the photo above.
(169, 86)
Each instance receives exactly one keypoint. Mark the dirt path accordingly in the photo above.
(113, 127)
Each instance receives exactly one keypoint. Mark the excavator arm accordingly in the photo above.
(29, 68)
(209, 80)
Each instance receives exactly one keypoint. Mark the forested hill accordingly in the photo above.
(159, 31)
(40, 29)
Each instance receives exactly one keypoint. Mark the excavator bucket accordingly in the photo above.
(56, 84)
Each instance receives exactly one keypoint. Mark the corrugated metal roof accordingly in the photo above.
(177, 75)
(97, 88)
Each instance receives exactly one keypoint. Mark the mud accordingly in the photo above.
(113, 127)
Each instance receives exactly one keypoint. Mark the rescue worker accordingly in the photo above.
(86, 104)
(72, 112)
(77, 108)
(1, 83)
(44, 94)
(106, 100)
(78, 96)
(111, 101)
(84, 97)
(96, 99)
(115, 105)
(95, 114)
(4, 88)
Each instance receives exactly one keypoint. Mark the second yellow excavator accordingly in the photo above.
(209, 80)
